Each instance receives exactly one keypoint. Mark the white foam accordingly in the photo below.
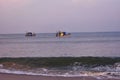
(98, 75)
(1, 65)
(44, 69)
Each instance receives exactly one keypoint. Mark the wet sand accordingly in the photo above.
(4, 76)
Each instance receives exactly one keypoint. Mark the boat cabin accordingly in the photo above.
(62, 34)
(30, 34)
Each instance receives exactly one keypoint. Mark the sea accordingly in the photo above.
(95, 54)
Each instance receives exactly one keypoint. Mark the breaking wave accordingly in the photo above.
(99, 67)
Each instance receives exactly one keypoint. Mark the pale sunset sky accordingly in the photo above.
(43, 16)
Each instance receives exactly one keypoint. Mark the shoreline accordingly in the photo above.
(8, 76)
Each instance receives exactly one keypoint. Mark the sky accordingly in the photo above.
(43, 16)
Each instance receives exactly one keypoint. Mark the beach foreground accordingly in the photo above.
(4, 76)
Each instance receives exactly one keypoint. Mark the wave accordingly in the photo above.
(99, 67)
(61, 61)
(98, 75)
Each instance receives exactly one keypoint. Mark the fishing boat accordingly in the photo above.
(62, 34)
(30, 34)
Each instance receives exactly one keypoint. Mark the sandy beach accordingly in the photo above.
(4, 76)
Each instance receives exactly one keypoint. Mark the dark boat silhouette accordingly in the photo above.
(30, 34)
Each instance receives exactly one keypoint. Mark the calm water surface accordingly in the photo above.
(47, 45)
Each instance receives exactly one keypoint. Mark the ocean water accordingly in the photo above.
(94, 54)
(47, 45)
